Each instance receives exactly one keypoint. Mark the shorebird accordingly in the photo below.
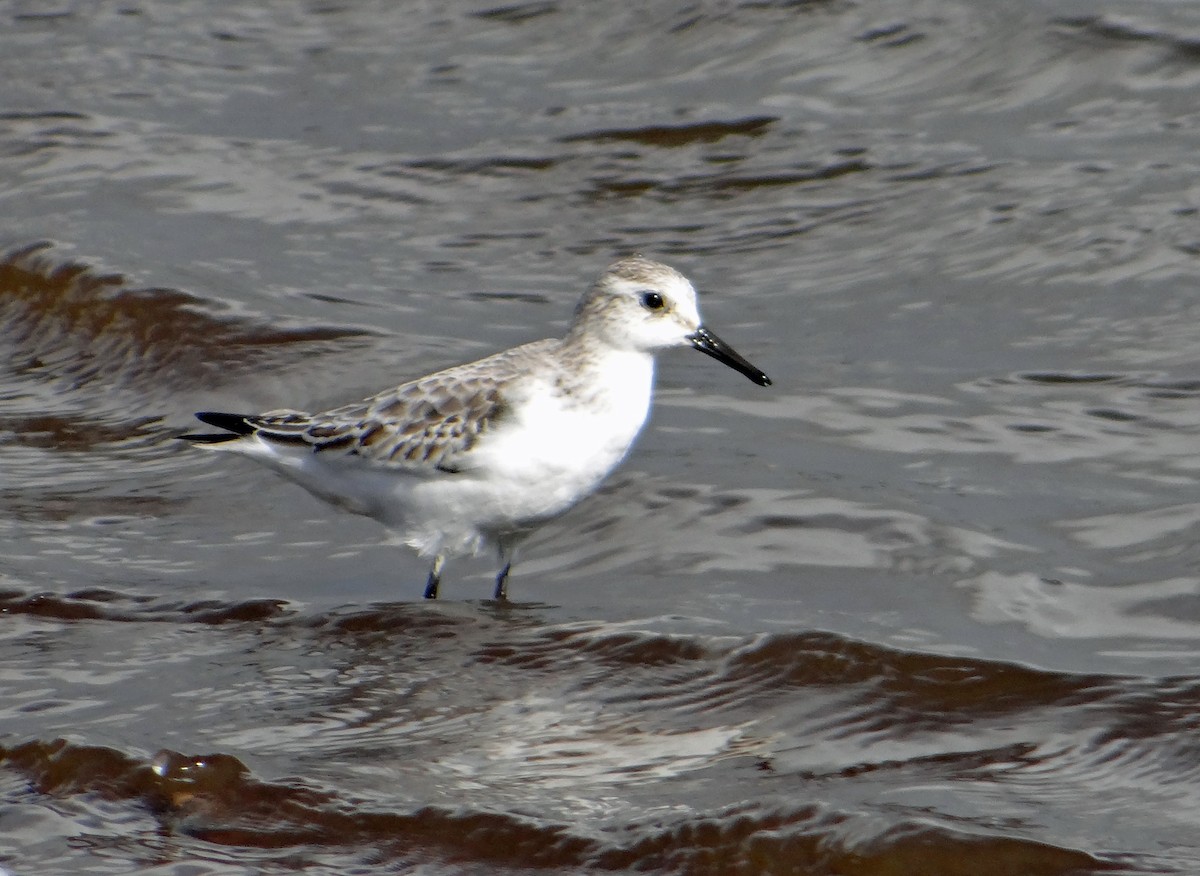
(481, 453)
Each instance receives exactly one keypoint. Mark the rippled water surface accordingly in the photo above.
(928, 605)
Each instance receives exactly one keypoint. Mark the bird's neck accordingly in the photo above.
(598, 368)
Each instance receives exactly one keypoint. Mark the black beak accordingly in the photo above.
(706, 342)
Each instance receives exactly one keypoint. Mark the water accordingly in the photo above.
(930, 604)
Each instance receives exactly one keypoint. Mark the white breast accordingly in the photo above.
(555, 448)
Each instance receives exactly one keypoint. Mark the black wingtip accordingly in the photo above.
(235, 426)
(239, 424)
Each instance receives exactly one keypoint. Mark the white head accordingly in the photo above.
(645, 306)
(640, 305)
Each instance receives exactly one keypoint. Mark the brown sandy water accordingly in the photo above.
(929, 605)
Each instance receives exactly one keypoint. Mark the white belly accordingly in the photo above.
(549, 452)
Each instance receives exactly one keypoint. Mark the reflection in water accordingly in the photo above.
(1150, 611)
(484, 733)
(78, 328)
(759, 530)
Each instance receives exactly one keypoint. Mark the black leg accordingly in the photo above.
(501, 593)
(435, 578)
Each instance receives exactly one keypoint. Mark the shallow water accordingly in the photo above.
(930, 604)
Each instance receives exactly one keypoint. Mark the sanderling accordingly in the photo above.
(481, 453)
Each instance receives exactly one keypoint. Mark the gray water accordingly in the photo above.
(930, 604)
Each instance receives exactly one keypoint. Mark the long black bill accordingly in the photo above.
(706, 342)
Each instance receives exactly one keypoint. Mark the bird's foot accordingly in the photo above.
(501, 594)
(435, 578)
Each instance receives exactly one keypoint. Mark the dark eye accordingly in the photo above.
(652, 301)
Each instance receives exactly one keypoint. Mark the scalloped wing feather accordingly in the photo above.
(431, 423)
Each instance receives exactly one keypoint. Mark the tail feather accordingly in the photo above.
(209, 437)
(236, 426)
